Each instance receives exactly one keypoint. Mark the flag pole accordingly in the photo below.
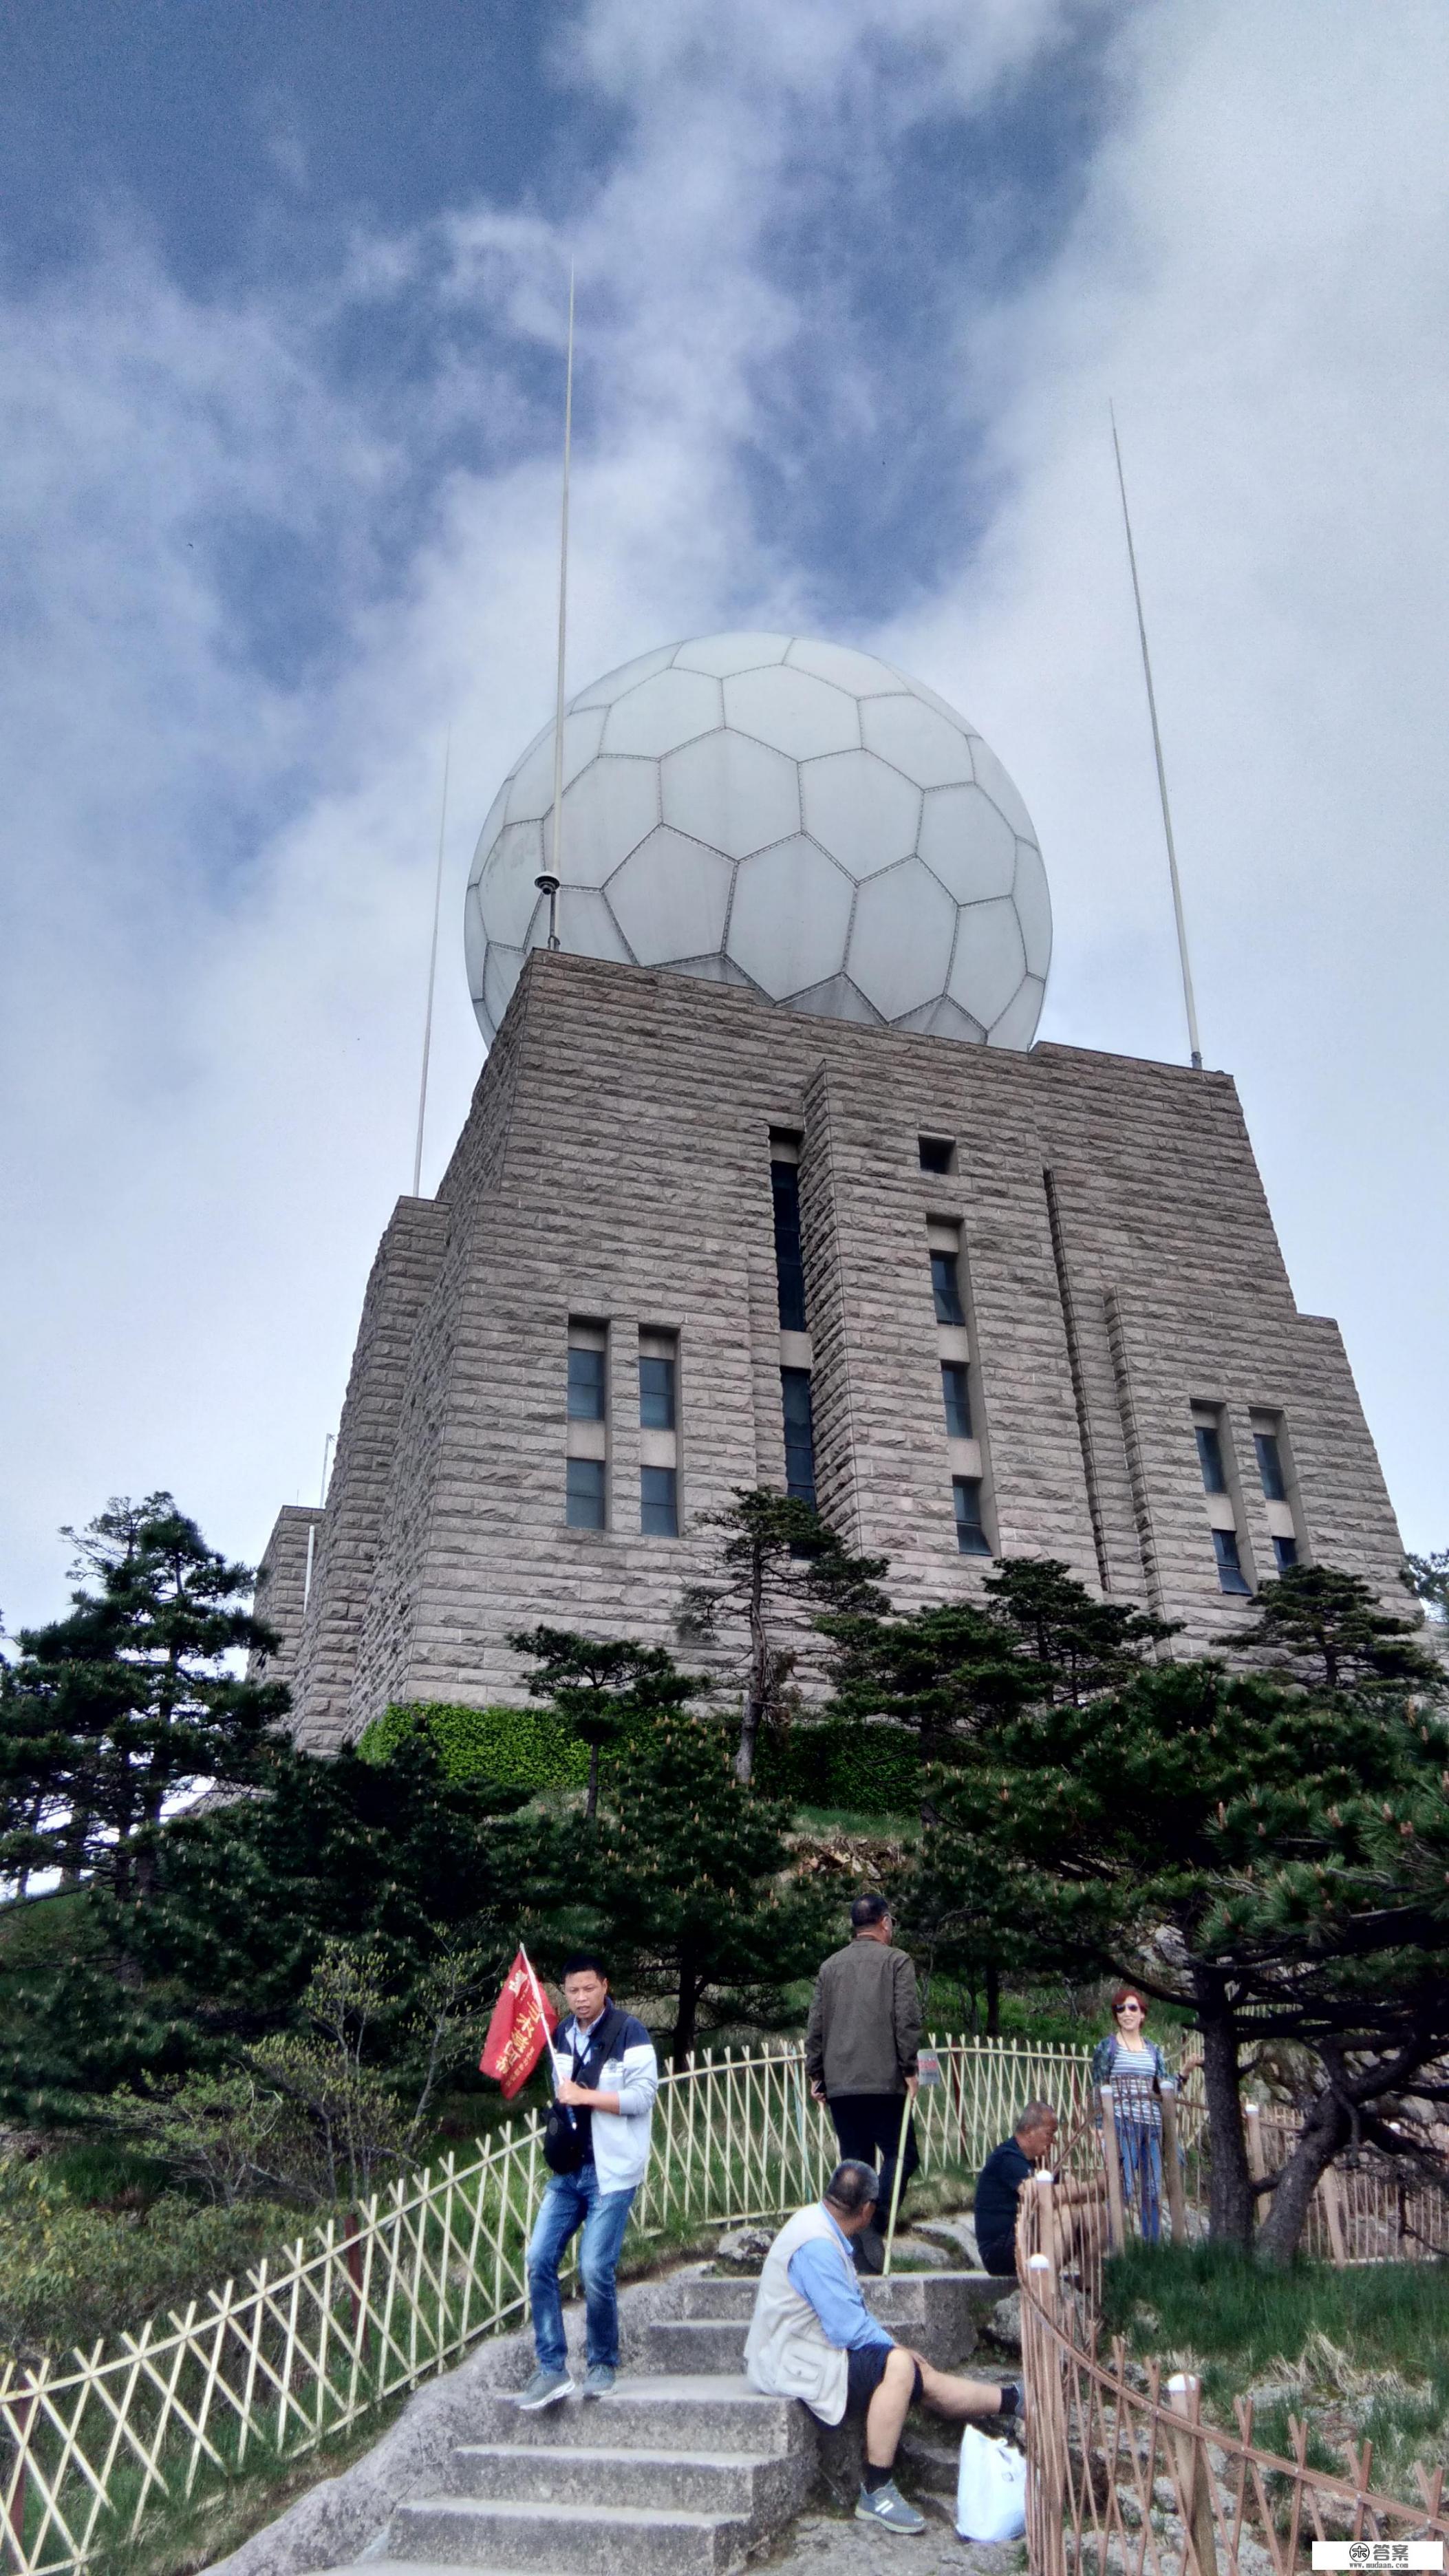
(548, 883)
(432, 974)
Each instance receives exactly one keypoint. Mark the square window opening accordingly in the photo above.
(586, 1385)
(656, 1393)
(956, 1396)
(971, 1538)
(1231, 1577)
(946, 1288)
(659, 1502)
(1285, 1550)
(1270, 1466)
(938, 1153)
(585, 1493)
(1210, 1457)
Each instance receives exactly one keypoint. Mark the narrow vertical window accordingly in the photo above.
(1210, 1457)
(586, 1385)
(956, 1396)
(1285, 1553)
(799, 1434)
(1231, 1577)
(656, 1392)
(1270, 1466)
(946, 1287)
(585, 1493)
(586, 1445)
(659, 1502)
(971, 1536)
(789, 1258)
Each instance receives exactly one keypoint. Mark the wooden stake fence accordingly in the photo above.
(314, 2339)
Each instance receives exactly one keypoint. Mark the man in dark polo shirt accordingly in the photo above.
(860, 2055)
(1000, 2181)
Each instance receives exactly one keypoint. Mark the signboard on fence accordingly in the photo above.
(928, 2069)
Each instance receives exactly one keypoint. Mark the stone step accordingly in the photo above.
(673, 2411)
(591, 2539)
(728, 2482)
(697, 2344)
(719, 2298)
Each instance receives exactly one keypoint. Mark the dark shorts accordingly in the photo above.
(865, 2369)
(999, 2259)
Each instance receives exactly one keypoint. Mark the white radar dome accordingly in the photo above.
(789, 815)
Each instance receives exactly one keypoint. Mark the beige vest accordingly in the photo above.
(787, 2353)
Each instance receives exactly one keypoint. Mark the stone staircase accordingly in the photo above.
(679, 2473)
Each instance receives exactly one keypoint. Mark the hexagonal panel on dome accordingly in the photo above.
(719, 655)
(863, 813)
(900, 938)
(967, 843)
(1033, 907)
(670, 898)
(790, 918)
(792, 712)
(915, 740)
(501, 970)
(506, 891)
(587, 927)
(610, 809)
(531, 792)
(1016, 1026)
(838, 999)
(731, 793)
(1000, 789)
(990, 960)
(602, 693)
(860, 673)
(669, 709)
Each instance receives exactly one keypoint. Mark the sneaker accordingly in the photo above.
(545, 2388)
(599, 2378)
(868, 2251)
(888, 2508)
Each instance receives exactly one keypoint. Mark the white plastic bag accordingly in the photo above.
(990, 2489)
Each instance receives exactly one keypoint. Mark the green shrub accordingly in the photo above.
(69, 2272)
(828, 1762)
(519, 1748)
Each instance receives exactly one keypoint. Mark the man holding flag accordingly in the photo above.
(596, 2144)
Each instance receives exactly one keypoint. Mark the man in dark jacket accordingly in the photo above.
(998, 2186)
(860, 2053)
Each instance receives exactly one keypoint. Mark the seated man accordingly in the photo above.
(813, 2337)
(999, 2184)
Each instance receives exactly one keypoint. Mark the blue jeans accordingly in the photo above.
(572, 2201)
(1141, 2152)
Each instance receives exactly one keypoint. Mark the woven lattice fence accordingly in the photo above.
(352, 2313)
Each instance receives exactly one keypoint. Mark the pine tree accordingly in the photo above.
(1327, 1627)
(115, 1713)
(780, 1565)
(686, 1885)
(600, 1688)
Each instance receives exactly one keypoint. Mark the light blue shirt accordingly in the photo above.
(833, 2291)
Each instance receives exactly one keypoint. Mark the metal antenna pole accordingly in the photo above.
(1194, 1044)
(548, 883)
(432, 975)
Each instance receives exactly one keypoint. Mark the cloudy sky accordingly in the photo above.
(281, 299)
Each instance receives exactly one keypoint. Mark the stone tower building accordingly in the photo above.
(977, 1300)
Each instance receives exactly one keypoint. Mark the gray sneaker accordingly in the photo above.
(599, 2378)
(545, 2388)
(889, 2509)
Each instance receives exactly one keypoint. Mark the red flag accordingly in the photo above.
(523, 2022)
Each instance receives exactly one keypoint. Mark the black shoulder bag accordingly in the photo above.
(563, 2144)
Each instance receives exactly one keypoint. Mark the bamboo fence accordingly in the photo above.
(96, 2443)
(1124, 2477)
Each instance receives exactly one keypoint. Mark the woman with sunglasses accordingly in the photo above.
(1134, 2066)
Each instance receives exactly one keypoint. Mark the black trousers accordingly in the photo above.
(868, 2126)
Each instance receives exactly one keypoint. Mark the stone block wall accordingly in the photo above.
(1120, 1264)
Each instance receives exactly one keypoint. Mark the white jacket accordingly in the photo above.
(620, 2138)
(787, 2352)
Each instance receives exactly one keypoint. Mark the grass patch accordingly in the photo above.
(1355, 2353)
